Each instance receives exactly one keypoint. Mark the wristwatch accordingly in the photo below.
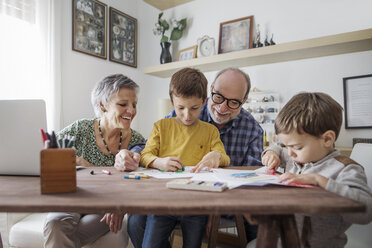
(206, 46)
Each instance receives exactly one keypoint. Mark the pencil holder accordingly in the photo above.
(57, 171)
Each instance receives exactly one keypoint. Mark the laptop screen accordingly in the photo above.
(20, 136)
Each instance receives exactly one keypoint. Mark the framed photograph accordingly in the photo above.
(123, 38)
(235, 35)
(187, 53)
(358, 101)
(89, 22)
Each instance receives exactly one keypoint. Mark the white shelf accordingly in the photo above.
(166, 4)
(350, 42)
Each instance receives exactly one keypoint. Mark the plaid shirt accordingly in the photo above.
(242, 137)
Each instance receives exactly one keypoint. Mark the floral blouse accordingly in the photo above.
(86, 145)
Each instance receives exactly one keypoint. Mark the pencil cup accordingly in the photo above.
(57, 171)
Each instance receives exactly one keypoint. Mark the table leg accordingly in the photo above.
(212, 242)
(268, 231)
(271, 226)
(1, 242)
(288, 231)
(239, 220)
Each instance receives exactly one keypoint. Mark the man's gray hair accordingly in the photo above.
(107, 87)
(245, 75)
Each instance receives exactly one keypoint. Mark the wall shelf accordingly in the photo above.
(166, 4)
(350, 42)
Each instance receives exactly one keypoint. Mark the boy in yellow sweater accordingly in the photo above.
(185, 140)
(180, 141)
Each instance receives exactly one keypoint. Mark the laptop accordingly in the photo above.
(20, 136)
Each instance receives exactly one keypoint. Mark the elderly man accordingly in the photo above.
(241, 135)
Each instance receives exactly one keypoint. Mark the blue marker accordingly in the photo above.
(132, 177)
(242, 174)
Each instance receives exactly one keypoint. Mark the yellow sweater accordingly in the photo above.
(170, 138)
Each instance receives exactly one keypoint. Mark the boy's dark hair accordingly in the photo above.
(312, 113)
(188, 82)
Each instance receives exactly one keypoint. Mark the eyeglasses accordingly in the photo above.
(231, 103)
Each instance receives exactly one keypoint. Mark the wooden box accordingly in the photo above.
(57, 171)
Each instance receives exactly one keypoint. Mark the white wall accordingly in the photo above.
(289, 20)
(80, 72)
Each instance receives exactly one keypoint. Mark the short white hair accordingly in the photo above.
(107, 87)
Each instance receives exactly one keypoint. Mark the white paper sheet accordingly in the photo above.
(169, 175)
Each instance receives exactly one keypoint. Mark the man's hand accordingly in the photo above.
(126, 160)
(167, 164)
(210, 160)
(114, 221)
(271, 160)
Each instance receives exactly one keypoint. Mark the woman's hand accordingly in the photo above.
(81, 161)
(312, 179)
(271, 160)
(167, 164)
(126, 160)
(210, 160)
(115, 221)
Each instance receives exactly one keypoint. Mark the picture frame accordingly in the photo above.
(358, 101)
(123, 38)
(235, 35)
(187, 53)
(89, 32)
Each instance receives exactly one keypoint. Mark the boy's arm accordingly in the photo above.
(151, 150)
(351, 182)
(217, 157)
(217, 145)
(275, 156)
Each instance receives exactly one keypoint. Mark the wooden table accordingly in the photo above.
(272, 206)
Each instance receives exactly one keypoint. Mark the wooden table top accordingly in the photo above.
(102, 193)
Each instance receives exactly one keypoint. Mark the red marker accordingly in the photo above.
(43, 136)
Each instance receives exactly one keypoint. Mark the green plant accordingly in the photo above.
(162, 25)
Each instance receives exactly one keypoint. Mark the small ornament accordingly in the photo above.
(257, 40)
(271, 40)
(267, 43)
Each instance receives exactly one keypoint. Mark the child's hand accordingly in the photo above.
(167, 164)
(210, 160)
(271, 160)
(312, 179)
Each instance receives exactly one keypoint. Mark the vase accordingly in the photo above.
(165, 56)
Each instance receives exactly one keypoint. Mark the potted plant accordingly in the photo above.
(177, 30)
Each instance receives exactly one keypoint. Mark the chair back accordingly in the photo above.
(359, 236)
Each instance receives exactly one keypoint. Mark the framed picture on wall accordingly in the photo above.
(89, 22)
(187, 53)
(358, 101)
(235, 35)
(123, 38)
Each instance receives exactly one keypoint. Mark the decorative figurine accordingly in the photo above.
(266, 42)
(271, 41)
(257, 42)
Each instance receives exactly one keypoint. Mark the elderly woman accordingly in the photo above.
(102, 141)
